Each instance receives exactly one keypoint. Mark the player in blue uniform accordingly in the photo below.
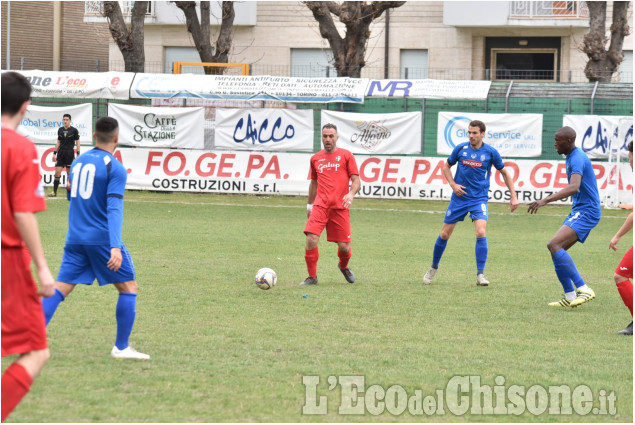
(585, 215)
(94, 249)
(470, 187)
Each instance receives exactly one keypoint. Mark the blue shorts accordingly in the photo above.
(85, 263)
(582, 223)
(458, 210)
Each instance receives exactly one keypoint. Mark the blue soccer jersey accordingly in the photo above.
(474, 170)
(587, 199)
(95, 215)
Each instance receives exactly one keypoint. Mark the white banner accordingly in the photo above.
(79, 85)
(40, 123)
(429, 89)
(288, 89)
(396, 177)
(398, 133)
(598, 134)
(513, 135)
(264, 129)
(159, 127)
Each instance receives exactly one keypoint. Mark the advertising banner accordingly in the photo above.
(79, 85)
(274, 173)
(163, 127)
(40, 123)
(429, 89)
(398, 133)
(513, 135)
(598, 134)
(264, 129)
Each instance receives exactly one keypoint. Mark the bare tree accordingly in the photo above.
(603, 63)
(201, 33)
(348, 51)
(130, 41)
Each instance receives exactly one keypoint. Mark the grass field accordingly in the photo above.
(225, 351)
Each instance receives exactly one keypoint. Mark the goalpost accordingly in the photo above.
(220, 68)
(613, 196)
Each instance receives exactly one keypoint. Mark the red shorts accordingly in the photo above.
(23, 327)
(337, 222)
(625, 268)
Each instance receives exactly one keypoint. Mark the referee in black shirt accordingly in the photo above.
(67, 139)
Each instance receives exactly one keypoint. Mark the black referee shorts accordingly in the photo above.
(65, 158)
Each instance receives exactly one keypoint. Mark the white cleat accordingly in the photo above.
(481, 280)
(427, 278)
(128, 353)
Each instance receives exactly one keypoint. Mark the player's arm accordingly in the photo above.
(312, 194)
(447, 173)
(77, 144)
(572, 188)
(30, 233)
(626, 227)
(509, 182)
(57, 148)
(114, 212)
(355, 185)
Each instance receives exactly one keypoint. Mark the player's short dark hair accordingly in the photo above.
(330, 125)
(479, 124)
(67, 115)
(106, 129)
(630, 146)
(16, 90)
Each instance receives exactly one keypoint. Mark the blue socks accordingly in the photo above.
(49, 305)
(566, 271)
(125, 313)
(481, 254)
(439, 247)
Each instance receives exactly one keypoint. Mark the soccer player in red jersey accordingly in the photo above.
(624, 270)
(330, 197)
(23, 330)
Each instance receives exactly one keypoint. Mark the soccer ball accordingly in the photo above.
(266, 278)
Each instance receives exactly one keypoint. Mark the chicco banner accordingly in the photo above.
(398, 133)
(597, 135)
(40, 123)
(512, 135)
(164, 127)
(264, 129)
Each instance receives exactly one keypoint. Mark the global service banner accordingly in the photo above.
(398, 133)
(163, 127)
(79, 85)
(392, 177)
(40, 123)
(598, 135)
(513, 135)
(264, 129)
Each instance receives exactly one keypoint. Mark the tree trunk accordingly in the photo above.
(130, 42)
(603, 63)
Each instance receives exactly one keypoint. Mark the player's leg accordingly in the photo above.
(564, 266)
(313, 229)
(126, 313)
(18, 377)
(480, 251)
(623, 274)
(455, 213)
(58, 175)
(49, 305)
(338, 230)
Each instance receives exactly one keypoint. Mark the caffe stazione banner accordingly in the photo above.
(40, 123)
(398, 133)
(163, 127)
(270, 129)
(598, 135)
(515, 135)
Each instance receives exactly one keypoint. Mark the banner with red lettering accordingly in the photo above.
(598, 134)
(264, 129)
(79, 85)
(398, 133)
(40, 123)
(382, 177)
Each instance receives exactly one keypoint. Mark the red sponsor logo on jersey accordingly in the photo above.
(472, 163)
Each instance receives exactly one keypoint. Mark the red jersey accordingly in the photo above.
(22, 190)
(333, 172)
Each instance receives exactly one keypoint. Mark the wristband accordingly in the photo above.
(54, 153)
(309, 206)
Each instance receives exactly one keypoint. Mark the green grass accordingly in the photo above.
(225, 351)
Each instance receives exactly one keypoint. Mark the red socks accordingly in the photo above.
(344, 257)
(311, 257)
(16, 382)
(625, 289)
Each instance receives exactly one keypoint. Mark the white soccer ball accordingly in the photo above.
(266, 278)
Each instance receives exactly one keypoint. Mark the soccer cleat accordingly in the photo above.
(481, 280)
(562, 303)
(52, 194)
(627, 331)
(348, 274)
(309, 281)
(128, 353)
(583, 296)
(427, 278)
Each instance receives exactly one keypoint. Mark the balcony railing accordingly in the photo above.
(549, 9)
(96, 8)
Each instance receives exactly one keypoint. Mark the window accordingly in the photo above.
(524, 64)
(312, 63)
(625, 70)
(413, 64)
